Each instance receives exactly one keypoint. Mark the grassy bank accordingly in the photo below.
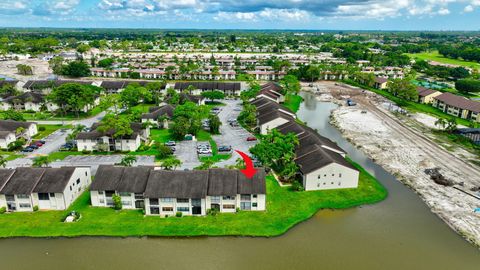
(285, 209)
(435, 56)
(293, 102)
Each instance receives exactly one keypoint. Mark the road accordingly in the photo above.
(53, 141)
(93, 161)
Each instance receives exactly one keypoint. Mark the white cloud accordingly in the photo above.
(444, 11)
(468, 8)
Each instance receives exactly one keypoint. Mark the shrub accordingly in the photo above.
(179, 214)
(86, 152)
(3, 210)
(163, 151)
(117, 202)
(41, 128)
(212, 212)
(35, 208)
(297, 186)
(468, 85)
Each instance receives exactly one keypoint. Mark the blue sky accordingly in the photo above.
(245, 14)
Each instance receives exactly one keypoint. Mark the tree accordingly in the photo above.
(277, 151)
(163, 151)
(8, 90)
(128, 160)
(467, 85)
(187, 119)
(13, 115)
(56, 64)
(214, 123)
(291, 84)
(117, 202)
(403, 88)
(248, 116)
(76, 69)
(106, 63)
(73, 97)
(83, 48)
(171, 163)
(131, 96)
(42, 161)
(213, 95)
(24, 69)
(3, 161)
(451, 125)
(441, 122)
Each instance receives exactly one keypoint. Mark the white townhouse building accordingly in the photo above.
(9, 131)
(164, 193)
(23, 189)
(97, 140)
(156, 114)
(322, 162)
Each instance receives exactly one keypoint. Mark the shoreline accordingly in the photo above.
(372, 144)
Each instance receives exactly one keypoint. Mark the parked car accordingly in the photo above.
(65, 147)
(33, 146)
(171, 143)
(251, 139)
(204, 151)
(42, 141)
(172, 148)
(231, 120)
(27, 149)
(224, 148)
(38, 143)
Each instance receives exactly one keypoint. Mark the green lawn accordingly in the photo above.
(49, 129)
(10, 155)
(161, 135)
(292, 102)
(410, 105)
(435, 56)
(285, 209)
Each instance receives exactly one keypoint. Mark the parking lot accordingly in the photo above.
(236, 137)
(94, 161)
(186, 151)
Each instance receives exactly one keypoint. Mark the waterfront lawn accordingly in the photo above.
(285, 208)
(292, 102)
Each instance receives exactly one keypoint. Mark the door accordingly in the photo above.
(139, 204)
(11, 205)
(196, 206)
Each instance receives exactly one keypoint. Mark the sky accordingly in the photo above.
(244, 14)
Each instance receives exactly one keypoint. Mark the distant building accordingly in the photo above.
(380, 83)
(156, 113)
(458, 106)
(97, 140)
(9, 131)
(426, 95)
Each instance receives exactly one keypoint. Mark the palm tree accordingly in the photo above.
(128, 160)
(41, 161)
(171, 163)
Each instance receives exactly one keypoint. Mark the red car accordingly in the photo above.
(39, 144)
(251, 139)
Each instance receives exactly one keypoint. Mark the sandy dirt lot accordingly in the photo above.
(40, 70)
(404, 147)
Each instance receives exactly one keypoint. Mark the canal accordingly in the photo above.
(398, 233)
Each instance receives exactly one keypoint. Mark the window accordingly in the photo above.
(100, 192)
(167, 209)
(245, 197)
(138, 196)
(169, 200)
(183, 209)
(153, 201)
(229, 198)
(339, 183)
(86, 174)
(333, 174)
(101, 201)
(23, 196)
(340, 175)
(324, 183)
(70, 188)
(324, 175)
(319, 176)
(183, 200)
(254, 195)
(254, 204)
(154, 210)
(24, 205)
(228, 206)
(126, 203)
(124, 194)
(43, 196)
(52, 195)
(331, 183)
(78, 181)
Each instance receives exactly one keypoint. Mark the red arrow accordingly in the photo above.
(249, 170)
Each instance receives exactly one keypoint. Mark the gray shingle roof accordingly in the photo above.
(134, 179)
(319, 157)
(261, 101)
(222, 182)
(54, 180)
(5, 175)
(10, 125)
(255, 185)
(165, 110)
(26, 97)
(23, 181)
(177, 184)
(267, 117)
(291, 127)
(107, 178)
